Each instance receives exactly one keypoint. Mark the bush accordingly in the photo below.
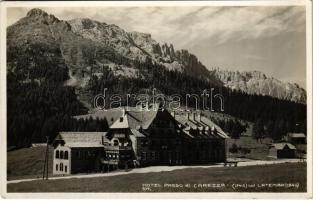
(233, 148)
(245, 150)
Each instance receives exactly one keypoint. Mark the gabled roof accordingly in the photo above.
(121, 122)
(205, 124)
(281, 146)
(135, 116)
(296, 135)
(136, 133)
(141, 118)
(81, 139)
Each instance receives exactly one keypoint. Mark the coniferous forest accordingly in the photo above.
(37, 109)
(40, 104)
(277, 117)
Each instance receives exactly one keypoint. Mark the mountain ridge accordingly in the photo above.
(256, 82)
(86, 45)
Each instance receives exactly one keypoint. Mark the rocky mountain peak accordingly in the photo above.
(256, 74)
(256, 82)
(86, 45)
(36, 12)
(40, 15)
(86, 23)
(136, 34)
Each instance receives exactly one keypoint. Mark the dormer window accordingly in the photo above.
(121, 119)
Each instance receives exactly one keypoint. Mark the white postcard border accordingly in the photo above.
(202, 195)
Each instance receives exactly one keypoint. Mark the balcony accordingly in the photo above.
(118, 148)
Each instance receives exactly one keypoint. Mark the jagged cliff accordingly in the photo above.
(255, 82)
(84, 46)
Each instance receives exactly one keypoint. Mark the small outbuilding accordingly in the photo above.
(282, 150)
(296, 138)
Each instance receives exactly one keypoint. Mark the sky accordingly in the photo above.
(270, 39)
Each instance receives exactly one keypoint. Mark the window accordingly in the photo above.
(65, 168)
(115, 142)
(61, 154)
(144, 143)
(121, 119)
(57, 154)
(56, 167)
(152, 155)
(157, 155)
(66, 155)
(171, 125)
(61, 167)
(86, 154)
(143, 155)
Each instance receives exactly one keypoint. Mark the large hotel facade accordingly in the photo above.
(140, 137)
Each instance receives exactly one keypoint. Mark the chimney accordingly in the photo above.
(102, 139)
(213, 130)
(187, 115)
(147, 105)
(151, 106)
(199, 117)
(173, 114)
(140, 128)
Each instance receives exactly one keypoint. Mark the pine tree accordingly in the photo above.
(258, 130)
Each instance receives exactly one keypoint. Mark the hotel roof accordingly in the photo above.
(135, 117)
(194, 123)
(132, 117)
(81, 139)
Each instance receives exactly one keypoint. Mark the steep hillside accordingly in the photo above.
(85, 46)
(139, 46)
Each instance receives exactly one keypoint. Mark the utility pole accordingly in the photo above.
(108, 165)
(47, 157)
(45, 167)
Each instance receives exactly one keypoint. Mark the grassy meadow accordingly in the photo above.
(294, 173)
(27, 162)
